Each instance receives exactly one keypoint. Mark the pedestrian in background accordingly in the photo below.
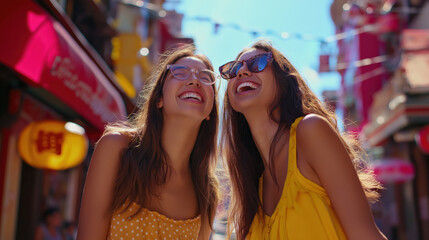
(50, 228)
(152, 177)
(70, 230)
(294, 176)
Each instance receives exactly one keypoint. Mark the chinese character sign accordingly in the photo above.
(53, 145)
(49, 141)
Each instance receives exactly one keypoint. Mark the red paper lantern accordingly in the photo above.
(53, 144)
(390, 170)
(422, 139)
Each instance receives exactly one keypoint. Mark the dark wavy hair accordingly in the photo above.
(144, 165)
(293, 99)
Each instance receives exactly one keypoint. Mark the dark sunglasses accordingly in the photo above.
(255, 64)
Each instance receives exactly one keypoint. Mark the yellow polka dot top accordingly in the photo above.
(303, 212)
(150, 225)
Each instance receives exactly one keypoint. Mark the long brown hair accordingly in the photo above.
(144, 165)
(293, 99)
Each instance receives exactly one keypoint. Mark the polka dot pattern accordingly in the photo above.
(150, 225)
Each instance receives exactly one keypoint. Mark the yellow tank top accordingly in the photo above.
(150, 225)
(304, 210)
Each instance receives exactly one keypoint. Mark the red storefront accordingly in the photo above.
(398, 124)
(384, 67)
(46, 72)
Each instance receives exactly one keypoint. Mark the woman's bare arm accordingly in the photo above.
(97, 197)
(325, 152)
(204, 231)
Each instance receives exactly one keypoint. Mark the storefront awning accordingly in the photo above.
(404, 101)
(41, 50)
(416, 65)
(387, 123)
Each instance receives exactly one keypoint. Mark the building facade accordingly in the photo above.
(383, 62)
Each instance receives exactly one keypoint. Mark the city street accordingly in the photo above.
(69, 68)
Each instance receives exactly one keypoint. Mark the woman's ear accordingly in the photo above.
(160, 103)
(208, 117)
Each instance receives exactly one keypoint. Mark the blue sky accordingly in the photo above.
(308, 18)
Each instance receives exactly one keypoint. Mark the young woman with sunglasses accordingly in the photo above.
(152, 177)
(293, 175)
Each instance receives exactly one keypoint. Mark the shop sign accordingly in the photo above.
(390, 170)
(53, 144)
(415, 39)
(46, 55)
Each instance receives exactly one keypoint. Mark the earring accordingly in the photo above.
(159, 104)
(208, 118)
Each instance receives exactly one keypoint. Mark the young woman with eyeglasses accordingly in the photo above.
(293, 175)
(152, 177)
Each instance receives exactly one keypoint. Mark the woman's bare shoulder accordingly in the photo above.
(315, 133)
(111, 145)
(313, 124)
(116, 140)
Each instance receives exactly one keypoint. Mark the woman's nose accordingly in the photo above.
(193, 80)
(243, 71)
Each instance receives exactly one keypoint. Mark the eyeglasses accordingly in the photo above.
(255, 64)
(181, 72)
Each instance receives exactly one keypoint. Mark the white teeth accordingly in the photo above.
(193, 95)
(246, 84)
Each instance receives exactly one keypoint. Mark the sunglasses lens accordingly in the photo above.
(258, 64)
(230, 70)
(234, 69)
(255, 65)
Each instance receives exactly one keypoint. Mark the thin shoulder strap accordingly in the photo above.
(292, 145)
(292, 157)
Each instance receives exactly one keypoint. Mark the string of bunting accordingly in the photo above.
(306, 37)
(255, 33)
(285, 35)
(282, 35)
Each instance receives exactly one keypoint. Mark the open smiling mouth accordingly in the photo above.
(246, 86)
(191, 96)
